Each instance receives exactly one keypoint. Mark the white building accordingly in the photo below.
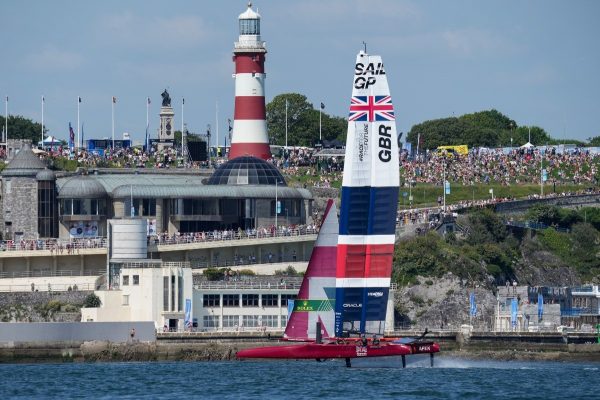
(149, 290)
(235, 306)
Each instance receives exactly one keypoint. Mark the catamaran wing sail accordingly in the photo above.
(369, 203)
(316, 297)
(359, 268)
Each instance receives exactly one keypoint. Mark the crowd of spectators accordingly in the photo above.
(236, 234)
(496, 166)
(499, 166)
(131, 157)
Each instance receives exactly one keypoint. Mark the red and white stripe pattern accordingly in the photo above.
(249, 137)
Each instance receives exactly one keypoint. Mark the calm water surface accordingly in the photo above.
(450, 379)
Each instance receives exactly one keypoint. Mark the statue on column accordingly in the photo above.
(166, 99)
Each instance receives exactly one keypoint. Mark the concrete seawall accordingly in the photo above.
(179, 348)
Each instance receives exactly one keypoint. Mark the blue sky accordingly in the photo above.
(538, 62)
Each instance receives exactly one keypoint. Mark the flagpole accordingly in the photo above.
(147, 122)
(182, 133)
(113, 123)
(6, 125)
(42, 121)
(217, 125)
(444, 184)
(78, 125)
(320, 113)
(286, 122)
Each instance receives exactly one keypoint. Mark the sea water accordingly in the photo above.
(449, 379)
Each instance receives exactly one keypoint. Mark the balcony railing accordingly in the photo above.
(247, 285)
(72, 246)
(44, 273)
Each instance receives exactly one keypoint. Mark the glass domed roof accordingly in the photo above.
(247, 170)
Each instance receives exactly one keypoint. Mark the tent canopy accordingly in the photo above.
(527, 145)
(49, 140)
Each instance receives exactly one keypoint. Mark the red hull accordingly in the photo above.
(335, 350)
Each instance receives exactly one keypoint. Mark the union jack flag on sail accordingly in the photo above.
(371, 108)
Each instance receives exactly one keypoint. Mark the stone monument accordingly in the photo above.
(166, 131)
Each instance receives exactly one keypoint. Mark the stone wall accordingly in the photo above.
(41, 306)
(19, 196)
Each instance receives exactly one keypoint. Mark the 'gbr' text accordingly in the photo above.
(385, 143)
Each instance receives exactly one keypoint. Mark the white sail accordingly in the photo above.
(369, 203)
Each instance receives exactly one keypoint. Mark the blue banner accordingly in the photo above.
(514, 308)
(290, 308)
(473, 305)
(447, 187)
(540, 306)
(188, 311)
(71, 138)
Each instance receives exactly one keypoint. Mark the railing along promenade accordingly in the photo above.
(218, 285)
(72, 246)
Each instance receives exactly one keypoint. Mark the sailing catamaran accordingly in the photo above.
(341, 307)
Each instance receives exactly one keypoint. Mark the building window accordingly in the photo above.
(249, 300)
(250, 321)
(83, 207)
(125, 280)
(180, 293)
(285, 298)
(231, 321)
(231, 300)
(249, 27)
(211, 321)
(125, 299)
(136, 279)
(173, 293)
(47, 210)
(283, 321)
(165, 293)
(211, 300)
(270, 300)
(270, 321)
(148, 207)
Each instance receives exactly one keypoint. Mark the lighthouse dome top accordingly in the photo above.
(249, 13)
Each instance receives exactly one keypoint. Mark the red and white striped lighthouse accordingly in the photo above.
(249, 137)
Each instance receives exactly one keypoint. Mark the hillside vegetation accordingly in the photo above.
(488, 253)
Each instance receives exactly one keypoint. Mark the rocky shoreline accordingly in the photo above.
(102, 351)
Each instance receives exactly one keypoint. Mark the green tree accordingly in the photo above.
(584, 239)
(215, 274)
(23, 128)
(422, 255)
(590, 215)
(544, 213)
(485, 128)
(438, 132)
(539, 137)
(492, 119)
(302, 121)
(595, 141)
(486, 226)
(92, 301)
